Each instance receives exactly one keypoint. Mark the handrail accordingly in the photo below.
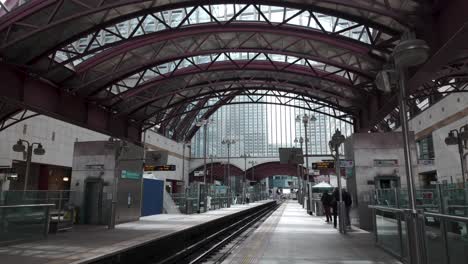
(388, 209)
(26, 205)
(448, 217)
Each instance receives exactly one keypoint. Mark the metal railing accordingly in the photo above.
(444, 237)
(61, 212)
(24, 222)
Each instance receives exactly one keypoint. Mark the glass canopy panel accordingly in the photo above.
(160, 70)
(260, 129)
(90, 45)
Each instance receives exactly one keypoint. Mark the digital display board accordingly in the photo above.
(323, 165)
(160, 168)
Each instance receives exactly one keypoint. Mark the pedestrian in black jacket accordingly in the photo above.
(348, 202)
(335, 200)
(327, 203)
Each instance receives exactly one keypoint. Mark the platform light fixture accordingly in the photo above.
(204, 123)
(28, 150)
(459, 138)
(335, 144)
(228, 142)
(410, 52)
(306, 119)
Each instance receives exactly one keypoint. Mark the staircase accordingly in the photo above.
(169, 207)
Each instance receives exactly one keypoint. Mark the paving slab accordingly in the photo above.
(84, 243)
(290, 236)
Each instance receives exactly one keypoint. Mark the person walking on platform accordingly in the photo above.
(327, 203)
(334, 203)
(348, 202)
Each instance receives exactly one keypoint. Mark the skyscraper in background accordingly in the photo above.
(260, 129)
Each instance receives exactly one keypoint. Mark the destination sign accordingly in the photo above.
(323, 165)
(160, 168)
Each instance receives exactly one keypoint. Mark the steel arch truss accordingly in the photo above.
(11, 114)
(73, 18)
(205, 106)
(72, 54)
(178, 53)
(202, 40)
(193, 80)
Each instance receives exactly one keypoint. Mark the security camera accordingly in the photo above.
(386, 80)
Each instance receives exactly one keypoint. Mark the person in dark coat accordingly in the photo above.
(347, 202)
(327, 203)
(335, 199)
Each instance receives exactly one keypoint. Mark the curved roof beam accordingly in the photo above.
(24, 24)
(88, 46)
(144, 77)
(184, 77)
(277, 93)
(243, 36)
(234, 83)
(231, 102)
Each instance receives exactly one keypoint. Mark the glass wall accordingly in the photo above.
(259, 129)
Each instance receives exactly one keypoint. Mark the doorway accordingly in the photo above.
(93, 201)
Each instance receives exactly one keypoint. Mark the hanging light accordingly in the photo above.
(411, 52)
(39, 150)
(19, 147)
(451, 139)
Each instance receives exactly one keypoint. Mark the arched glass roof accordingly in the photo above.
(163, 69)
(95, 42)
(142, 59)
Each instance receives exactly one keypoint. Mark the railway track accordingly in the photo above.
(216, 247)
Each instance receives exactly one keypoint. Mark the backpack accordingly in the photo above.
(347, 199)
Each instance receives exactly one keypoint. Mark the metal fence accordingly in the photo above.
(23, 222)
(61, 211)
(199, 197)
(441, 228)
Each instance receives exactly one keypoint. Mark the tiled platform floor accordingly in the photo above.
(88, 242)
(292, 236)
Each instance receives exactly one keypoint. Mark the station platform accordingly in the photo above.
(290, 235)
(86, 244)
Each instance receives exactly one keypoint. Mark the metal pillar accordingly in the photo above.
(29, 152)
(461, 151)
(244, 185)
(183, 164)
(307, 191)
(212, 177)
(341, 223)
(205, 127)
(413, 239)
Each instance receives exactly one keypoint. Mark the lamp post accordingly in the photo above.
(211, 160)
(408, 53)
(334, 144)
(204, 123)
(186, 144)
(459, 137)
(28, 151)
(305, 119)
(301, 180)
(253, 163)
(228, 143)
(245, 156)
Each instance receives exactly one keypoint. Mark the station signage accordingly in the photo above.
(385, 163)
(346, 163)
(323, 165)
(159, 168)
(426, 162)
(130, 175)
(198, 173)
(7, 170)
